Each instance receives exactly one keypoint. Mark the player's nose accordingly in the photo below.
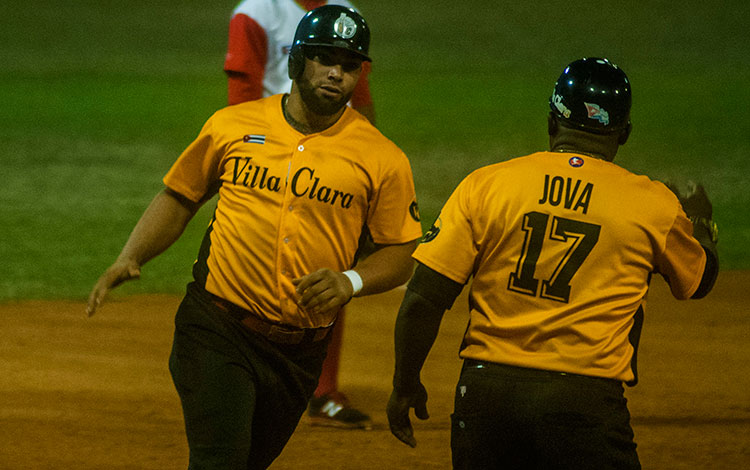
(335, 71)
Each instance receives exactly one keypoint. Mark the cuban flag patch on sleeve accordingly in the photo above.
(254, 139)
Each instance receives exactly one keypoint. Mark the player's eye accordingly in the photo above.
(319, 55)
(351, 66)
(329, 58)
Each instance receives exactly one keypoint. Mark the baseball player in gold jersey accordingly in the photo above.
(561, 246)
(256, 64)
(298, 178)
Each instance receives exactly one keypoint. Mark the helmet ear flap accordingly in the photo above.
(296, 62)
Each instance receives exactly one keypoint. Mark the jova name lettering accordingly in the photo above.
(565, 191)
(304, 183)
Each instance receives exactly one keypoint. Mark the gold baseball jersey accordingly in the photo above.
(561, 247)
(290, 204)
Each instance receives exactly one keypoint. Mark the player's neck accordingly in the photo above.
(302, 119)
(573, 150)
(597, 146)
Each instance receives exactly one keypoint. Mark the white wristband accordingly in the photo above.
(355, 279)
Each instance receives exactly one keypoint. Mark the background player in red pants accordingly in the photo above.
(260, 37)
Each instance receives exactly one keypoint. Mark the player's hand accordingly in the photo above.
(694, 201)
(115, 275)
(398, 413)
(323, 292)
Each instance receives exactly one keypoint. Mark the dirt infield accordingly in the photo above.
(96, 394)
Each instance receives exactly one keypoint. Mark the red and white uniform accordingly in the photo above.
(260, 37)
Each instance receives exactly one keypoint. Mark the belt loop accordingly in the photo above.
(321, 333)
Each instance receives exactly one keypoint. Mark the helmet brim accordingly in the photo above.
(344, 45)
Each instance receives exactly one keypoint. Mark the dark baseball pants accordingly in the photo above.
(516, 418)
(242, 396)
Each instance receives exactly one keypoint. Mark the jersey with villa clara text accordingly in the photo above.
(290, 204)
(561, 247)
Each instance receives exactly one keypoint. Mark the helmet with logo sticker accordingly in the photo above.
(592, 94)
(329, 26)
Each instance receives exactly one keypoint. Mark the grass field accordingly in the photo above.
(99, 97)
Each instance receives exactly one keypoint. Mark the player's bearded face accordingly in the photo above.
(328, 81)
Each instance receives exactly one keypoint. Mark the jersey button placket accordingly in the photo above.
(288, 227)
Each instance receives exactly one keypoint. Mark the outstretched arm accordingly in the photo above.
(698, 208)
(160, 225)
(427, 298)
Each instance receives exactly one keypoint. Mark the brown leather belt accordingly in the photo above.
(274, 332)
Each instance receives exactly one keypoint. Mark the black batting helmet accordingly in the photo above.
(592, 94)
(329, 26)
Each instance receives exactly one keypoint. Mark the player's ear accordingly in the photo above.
(624, 134)
(552, 124)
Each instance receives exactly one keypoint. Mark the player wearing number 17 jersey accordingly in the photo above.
(561, 246)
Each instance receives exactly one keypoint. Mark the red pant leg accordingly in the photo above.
(328, 381)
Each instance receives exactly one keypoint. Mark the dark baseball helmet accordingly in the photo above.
(592, 94)
(329, 26)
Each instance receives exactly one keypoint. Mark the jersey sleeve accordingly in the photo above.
(449, 247)
(682, 260)
(361, 96)
(393, 216)
(245, 62)
(196, 171)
